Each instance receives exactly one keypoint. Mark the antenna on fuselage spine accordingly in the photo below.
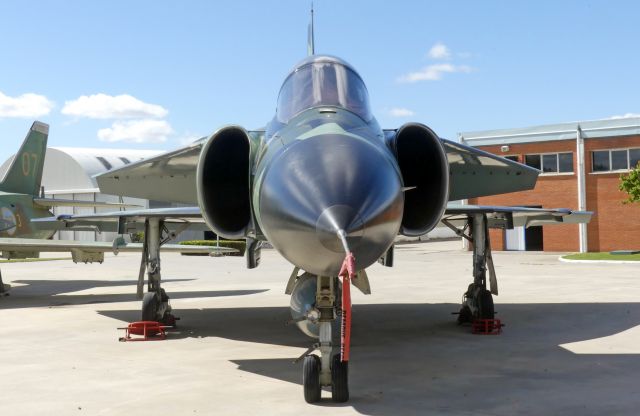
(310, 44)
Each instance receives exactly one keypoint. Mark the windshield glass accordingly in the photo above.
(322, 83)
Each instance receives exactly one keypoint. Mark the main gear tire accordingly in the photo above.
(465, 316)
(150, 306)
(485, 305)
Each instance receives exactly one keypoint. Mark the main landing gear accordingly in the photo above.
(155, 303)
(318, 317)
(477, 302)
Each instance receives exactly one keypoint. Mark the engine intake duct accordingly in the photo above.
(223, 182)
(425, 173)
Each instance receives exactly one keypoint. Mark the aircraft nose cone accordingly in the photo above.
(327, 183)
(335, 218)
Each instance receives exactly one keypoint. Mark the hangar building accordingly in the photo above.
(581, 164)
(68, 173)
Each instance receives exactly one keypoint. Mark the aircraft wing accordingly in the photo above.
(474, 173)
(55, 202)
(509, 217)
(126, 221)
(92, 251)
(179, 214)
(121, 222)
(167, 177)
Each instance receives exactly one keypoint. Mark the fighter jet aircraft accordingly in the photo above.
(330, 190)
(21, 202)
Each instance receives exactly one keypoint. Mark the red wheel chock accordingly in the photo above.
(486, 326)
(144, 331)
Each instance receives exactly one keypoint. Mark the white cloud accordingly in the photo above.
(108, 106)
(137, 131)
(439, 51)
(400, 112)
(433, 72)
(25, 105)
(627, 115)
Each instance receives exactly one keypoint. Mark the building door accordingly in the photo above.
(533, 238)
(521, 238)
(515, 239)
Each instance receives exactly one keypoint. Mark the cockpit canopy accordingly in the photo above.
(322, 81)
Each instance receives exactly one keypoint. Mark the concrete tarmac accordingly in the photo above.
(570, 345)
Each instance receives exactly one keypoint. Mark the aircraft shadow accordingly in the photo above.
(52, 293)
(415, 358)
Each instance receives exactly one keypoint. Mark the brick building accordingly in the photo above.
(581, 164)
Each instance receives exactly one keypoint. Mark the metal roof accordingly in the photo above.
(94, 161)
(563, 131)
(71, 169)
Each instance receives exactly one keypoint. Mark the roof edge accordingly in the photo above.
(550, 132)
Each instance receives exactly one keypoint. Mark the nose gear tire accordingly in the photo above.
(311, 378)
(339, 379)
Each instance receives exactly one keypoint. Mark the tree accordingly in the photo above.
(631, 185)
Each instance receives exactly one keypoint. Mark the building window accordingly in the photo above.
(551, 162)
(612, 160)
(601, 161)
(634, 158)
(512, 157)
(533, 161)
(565, 162)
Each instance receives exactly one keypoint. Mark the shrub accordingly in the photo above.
(137, 237)
(630, 184)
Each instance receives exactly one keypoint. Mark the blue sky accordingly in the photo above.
(156, 74)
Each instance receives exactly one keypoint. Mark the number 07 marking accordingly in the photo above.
(29, 164)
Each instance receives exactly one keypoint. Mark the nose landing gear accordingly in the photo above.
(331, 368)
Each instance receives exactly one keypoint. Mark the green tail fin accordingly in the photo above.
(25, 173)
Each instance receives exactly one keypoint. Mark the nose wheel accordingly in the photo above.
(339, 379)
(311, 378)
(311, 367)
